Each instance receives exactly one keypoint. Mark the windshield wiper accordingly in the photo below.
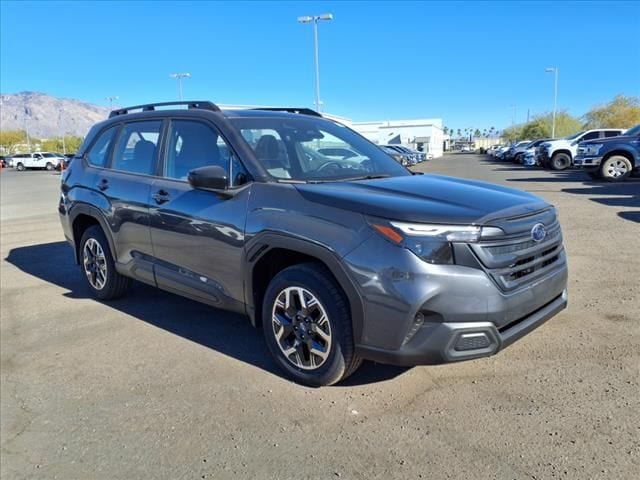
(366, 177)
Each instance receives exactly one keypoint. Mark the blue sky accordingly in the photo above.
(466, 62)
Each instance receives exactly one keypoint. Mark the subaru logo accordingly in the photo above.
(538, 232)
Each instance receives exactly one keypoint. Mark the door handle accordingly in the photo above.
(103, 185)
(161, 196)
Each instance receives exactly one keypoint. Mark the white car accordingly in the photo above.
(40, 160)
(558, 154)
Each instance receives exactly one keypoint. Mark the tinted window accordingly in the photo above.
(590, 136)
(97, 156)
(137, 147)
(611, 133)
(292, 149)
(193, 145)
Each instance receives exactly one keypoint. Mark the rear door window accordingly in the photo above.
(611, 133)
(137, 147)
(97, 155)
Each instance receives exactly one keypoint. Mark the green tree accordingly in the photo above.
(621, 112)
(10, 139)
(71, 144)
(459, 133)
(477, 133)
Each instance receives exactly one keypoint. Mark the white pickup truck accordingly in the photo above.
(45, 160)
(558, 154)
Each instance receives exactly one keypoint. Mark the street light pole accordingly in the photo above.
(315, 19)
(111, 99)
(179, 77)
(555, 97)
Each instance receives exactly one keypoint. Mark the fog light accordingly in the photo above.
(418, 321)
(472, 341)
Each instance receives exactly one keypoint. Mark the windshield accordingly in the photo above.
(308, 149)
(633, 131)
(575, 135)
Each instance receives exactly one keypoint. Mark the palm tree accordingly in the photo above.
(459, 133)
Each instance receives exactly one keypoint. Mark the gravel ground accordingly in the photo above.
(155, 386)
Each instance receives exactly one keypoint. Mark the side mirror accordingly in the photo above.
(209, 178)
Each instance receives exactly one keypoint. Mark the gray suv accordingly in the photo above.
(336, 259)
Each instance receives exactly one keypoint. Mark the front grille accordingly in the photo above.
(517, 260)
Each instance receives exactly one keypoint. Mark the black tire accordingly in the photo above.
(20, 167)
(616, 168)
(341, 360)
(518, 158)
(116, 285)
(560, 161)
(49, 166)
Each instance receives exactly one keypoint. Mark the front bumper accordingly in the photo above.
(438, 343)
(587, 163)
(418, 313)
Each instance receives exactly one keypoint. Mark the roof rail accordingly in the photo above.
(301, 111)
(204, 105)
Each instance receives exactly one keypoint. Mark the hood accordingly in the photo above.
(619, 139)
(425, 198)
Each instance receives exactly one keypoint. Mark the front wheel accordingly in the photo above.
(615, 168)
(560, 161)
(307, 326)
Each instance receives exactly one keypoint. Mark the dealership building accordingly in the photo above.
(424, 135)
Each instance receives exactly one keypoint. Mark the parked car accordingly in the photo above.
(419, 156)
(336, 261)
(520, 152)
(501, 151)
(510, 153)
(36, 160)
(612, 159)
(492, 149)
(399, 156)
(558, 154)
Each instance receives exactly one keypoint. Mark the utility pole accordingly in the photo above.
(315, 19)
(111, 99)
(179, 77)
(554, 70)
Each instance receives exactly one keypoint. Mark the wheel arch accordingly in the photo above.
(270, 253)
(623, 153)
(83, 217)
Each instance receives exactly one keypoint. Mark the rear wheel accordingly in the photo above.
(98, 266)
(307, 326)
(20, 167)
(615, 168)
(49, 166)
(560, 161)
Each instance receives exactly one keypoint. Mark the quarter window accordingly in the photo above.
(97, 155)
(137, 147)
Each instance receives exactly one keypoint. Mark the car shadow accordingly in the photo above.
(228, 333)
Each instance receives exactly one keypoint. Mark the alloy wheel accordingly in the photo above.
(95, 263)
(301, 328)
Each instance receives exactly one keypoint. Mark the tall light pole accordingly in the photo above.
(315, 19)
(111, 99)
(554, 70)
(179, 77)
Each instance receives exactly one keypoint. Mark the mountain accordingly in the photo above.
(46, 116)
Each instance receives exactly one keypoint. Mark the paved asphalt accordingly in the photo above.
(154, 386)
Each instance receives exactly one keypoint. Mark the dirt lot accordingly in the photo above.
(155, 386)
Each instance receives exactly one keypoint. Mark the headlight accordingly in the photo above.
(592, 149)
(432, 243)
